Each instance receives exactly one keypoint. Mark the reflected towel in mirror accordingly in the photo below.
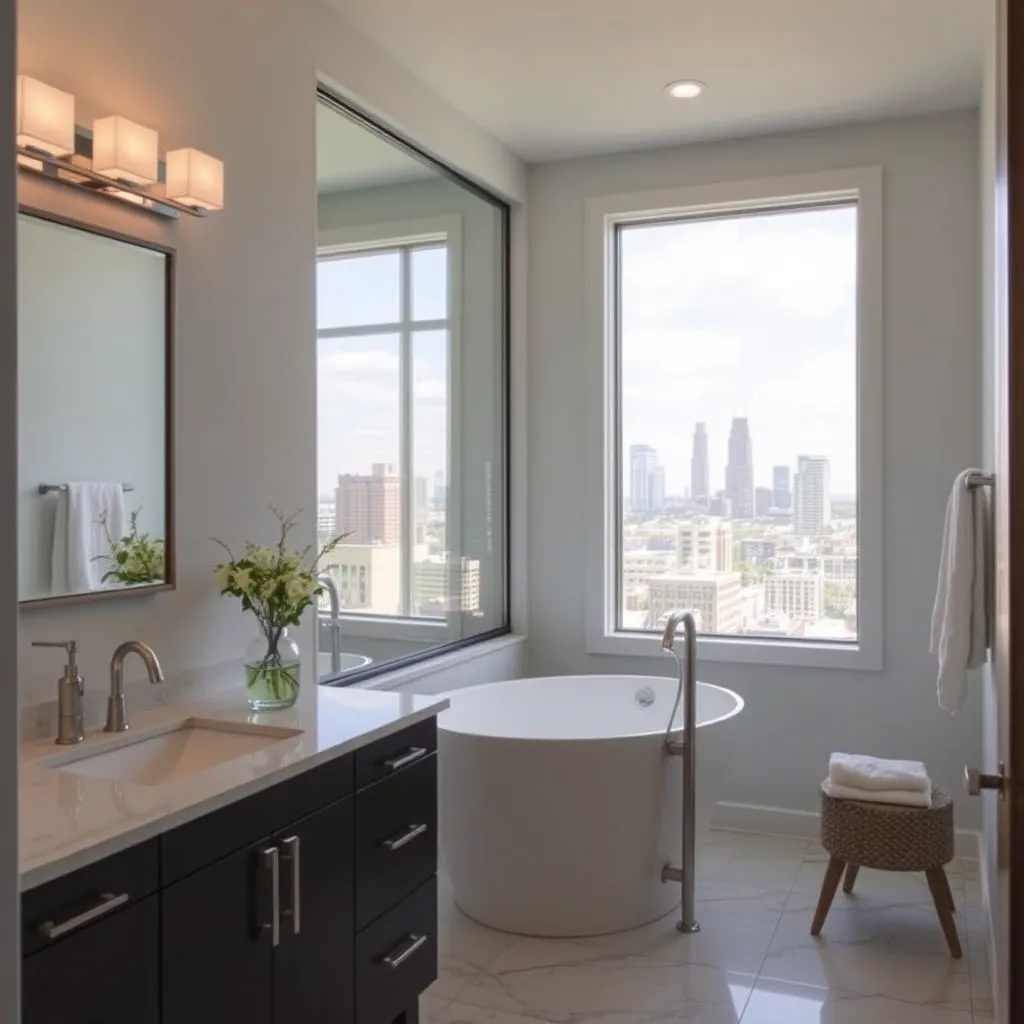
(79, 537)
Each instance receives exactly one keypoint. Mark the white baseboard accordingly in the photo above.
(783, 821)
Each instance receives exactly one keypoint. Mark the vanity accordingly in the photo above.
(293, 882)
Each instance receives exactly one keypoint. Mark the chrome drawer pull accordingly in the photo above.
(290, 850)
(412, 755)
(396, 959)
(108, 902)
(413, 832)
(270, 862)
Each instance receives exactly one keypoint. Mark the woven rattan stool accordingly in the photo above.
(889, 838)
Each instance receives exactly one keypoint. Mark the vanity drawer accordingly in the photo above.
(396, 838)
(396, 958)
(80, 900)
(395, 753)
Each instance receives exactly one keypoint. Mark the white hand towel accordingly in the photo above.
(878, 773)
(961, 616)
(902, 797)
(79, 540)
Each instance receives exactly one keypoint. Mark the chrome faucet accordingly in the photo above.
(117, 708)
(668, 638)
(326, 580)
(70, 690)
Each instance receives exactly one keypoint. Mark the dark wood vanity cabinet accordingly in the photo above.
(315, 900)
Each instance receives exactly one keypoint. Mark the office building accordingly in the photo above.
(801, 596)
(439, 586)
(656, 489)
(700, 475)
(639, 566)
(704, 544)
(739, 471)
(717, 599)
(756, 551)
(643, 461)
(812, 496)
(839, 569)
(369, 507)
(763, 497)
(326, 518)
(782, 495)
(369, 577)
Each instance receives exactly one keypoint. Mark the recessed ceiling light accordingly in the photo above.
(685, 89)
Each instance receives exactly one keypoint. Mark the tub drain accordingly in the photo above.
(645, 697)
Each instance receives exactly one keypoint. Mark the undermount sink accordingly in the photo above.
(188, 747)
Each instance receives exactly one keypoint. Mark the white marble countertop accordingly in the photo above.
(69, 820)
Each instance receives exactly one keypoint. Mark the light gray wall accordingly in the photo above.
(91, 379)
(794, 717)
(245, 382)
(10, 961)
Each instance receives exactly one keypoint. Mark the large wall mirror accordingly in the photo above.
(411, 414)
(95, 317)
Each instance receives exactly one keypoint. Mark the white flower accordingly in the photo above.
(223, 576)
(241, 579)
(296, 589)
(268, 587)
(262, 558)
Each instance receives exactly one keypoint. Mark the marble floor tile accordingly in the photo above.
(737, 924)
(569, 982)
(899, 886)
(461, 1013)
(465, 950)
(747, 858)
(774, 1002)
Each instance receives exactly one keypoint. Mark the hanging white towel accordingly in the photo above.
(961, 618)
(901, 797)
(878, 773)
(79, 539)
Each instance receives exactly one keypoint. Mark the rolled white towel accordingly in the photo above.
(902, 797)
(861, 771)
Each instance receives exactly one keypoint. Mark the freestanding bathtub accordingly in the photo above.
(559, 805)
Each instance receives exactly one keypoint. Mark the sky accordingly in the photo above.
(751, 315)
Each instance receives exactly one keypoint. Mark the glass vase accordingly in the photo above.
(272, 672)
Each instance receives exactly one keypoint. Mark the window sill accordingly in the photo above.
(794, 654)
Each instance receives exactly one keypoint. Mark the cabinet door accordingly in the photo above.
(313, 964)
(217, 950)
(107, 973)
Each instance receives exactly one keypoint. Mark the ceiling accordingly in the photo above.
(349, 156)
(559, 78)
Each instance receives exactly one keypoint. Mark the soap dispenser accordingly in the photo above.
(70, 690)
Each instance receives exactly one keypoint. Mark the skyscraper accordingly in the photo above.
(782, 496)
(812, 496)
(369, 508)
(656, 489)
(739, 471)
(643, 461)
(700, 486)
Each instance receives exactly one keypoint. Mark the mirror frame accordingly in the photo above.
(170, 299)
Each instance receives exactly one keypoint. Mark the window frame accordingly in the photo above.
(388, 236)
(604, 215)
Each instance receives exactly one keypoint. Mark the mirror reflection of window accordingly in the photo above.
(93, 322)
(411, 342)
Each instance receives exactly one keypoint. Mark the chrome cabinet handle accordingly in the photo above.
(402, 953)
(108, 902)
(409, 757)
(290, 849)
(270, 862)
(413, 832)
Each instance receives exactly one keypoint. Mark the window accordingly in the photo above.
(383, 338)
(742, 476)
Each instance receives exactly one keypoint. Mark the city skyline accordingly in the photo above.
(751, 316)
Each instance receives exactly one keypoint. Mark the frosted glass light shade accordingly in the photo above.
(44, 117)
(125, 150)
(195, 179)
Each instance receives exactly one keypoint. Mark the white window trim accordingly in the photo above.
(600, 385)
(364, 237)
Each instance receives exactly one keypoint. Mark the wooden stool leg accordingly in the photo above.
(946, 889)
(851, 877)
(828, 892)
(939, 885)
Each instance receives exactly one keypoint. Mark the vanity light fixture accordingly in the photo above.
(119, 159)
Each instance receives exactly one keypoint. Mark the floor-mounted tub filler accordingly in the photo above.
(560, 804)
